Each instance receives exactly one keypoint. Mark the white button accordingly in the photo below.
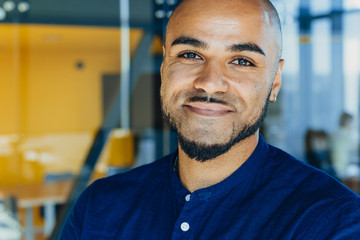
(187, 197)
(185, 226)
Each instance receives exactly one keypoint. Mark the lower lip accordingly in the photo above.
(206, 112)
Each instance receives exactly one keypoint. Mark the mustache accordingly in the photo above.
(209, 99)
(195, 95)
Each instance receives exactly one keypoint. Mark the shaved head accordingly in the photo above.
(267, 7)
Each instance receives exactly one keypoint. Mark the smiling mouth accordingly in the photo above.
(208, 109)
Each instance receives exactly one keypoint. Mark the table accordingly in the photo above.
(34, 195)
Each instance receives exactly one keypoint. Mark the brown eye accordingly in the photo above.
(242, 62)
(190, 55)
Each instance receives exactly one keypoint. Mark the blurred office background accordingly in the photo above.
(79, 94)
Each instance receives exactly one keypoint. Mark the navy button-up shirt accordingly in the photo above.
(271, 196)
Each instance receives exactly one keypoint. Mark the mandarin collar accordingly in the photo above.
(243, 179)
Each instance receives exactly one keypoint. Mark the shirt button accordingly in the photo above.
(185, 226)
(187, 197)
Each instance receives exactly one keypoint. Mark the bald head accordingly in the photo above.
(265, 7)
(268, 6)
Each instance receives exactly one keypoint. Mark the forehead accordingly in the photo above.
(213, 8)
(214, 20)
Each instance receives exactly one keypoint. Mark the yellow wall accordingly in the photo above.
(41, 88)
(9, 95)
(61, 97)
(43, 95)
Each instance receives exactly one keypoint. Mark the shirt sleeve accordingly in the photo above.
(341, 223)
(74, 222)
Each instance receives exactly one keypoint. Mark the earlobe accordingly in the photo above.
(277, 81)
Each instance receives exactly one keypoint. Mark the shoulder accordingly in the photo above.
(304, 179)
(322, 204)
(112, 197)
(138, 178)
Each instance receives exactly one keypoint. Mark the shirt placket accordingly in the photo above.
(185, 224)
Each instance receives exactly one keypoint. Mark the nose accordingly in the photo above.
(211, 79)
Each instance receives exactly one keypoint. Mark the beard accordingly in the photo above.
(204, 152)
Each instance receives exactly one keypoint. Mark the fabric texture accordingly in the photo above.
(271, 196)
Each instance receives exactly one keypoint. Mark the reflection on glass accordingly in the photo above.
(320, 7)
(351, 65)
(351, 4)
(51, 103)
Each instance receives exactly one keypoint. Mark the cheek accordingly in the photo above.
(182, 73)
(166, 85)
(170, 86)
(176, 78)
(252, 89)
(247, 85)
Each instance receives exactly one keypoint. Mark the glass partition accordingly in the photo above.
(61, 77)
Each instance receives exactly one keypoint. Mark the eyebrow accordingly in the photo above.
(252, 47)
(189, 41)
(245, 47)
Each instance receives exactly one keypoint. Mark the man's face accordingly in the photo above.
(220, 68)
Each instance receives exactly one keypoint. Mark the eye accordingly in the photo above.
(243, 62)
(189, 55)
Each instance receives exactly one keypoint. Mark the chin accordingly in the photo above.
(203, 151)
(208, 141)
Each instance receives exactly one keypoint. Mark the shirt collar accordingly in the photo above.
(243, 179)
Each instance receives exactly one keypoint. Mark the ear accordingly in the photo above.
(161, 67)
(277, 81)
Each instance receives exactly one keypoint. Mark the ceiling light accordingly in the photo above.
(159, 2)
(9, 6)
(23, 7)
(160, 14)
(171, 2)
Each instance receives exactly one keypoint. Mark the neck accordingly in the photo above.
(195, 175)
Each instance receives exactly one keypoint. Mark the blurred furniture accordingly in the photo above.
(45, 195)
(117, 154)
(317, 144)
(121, 148)
(9, 225)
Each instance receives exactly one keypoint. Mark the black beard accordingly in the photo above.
(202, 152)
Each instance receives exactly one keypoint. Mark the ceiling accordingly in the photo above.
(81, 12)
(73, 24)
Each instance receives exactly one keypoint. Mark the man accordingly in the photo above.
(344, 153)
(221, 68)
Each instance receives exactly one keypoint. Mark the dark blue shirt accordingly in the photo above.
(271, 196)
